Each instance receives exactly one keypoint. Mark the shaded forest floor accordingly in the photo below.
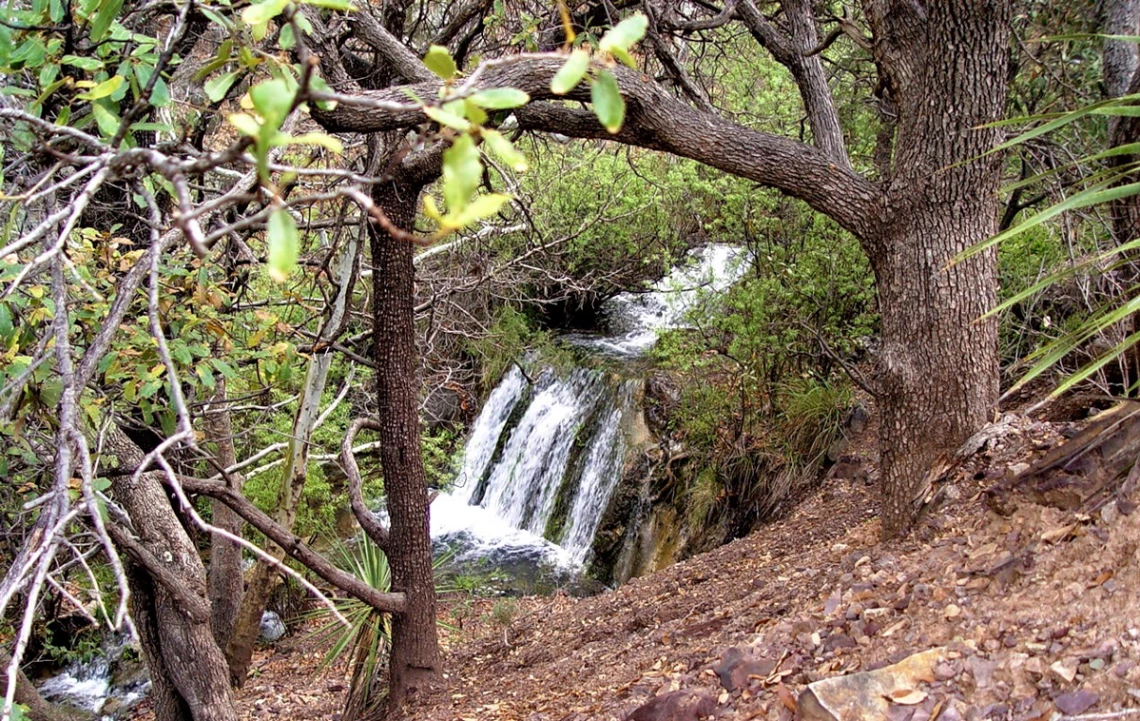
(1037, 611)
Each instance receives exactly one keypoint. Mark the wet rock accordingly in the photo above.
(865, 696)
(685, 705)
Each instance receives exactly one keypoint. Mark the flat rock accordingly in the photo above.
(865, 696)
(684, 705)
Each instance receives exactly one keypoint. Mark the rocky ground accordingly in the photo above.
(997, 607)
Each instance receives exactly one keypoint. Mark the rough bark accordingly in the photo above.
(226, 585)
(168, 584)
(414, 657)
(1121, 77)
(939, 366)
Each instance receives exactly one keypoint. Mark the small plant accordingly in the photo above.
(502, 613)
(367, 637)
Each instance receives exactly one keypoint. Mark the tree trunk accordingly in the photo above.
(415, 649)
(169, 598)
(226, 584)
(938, 369)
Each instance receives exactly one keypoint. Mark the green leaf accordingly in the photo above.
(103, 89)
(504, 149)
(246, 124)
(439, 61)
(609, 105)
(217, 87)
(262, 12)
(272, 100)
(342, 5)
(482, 207)
(108, 11)
(462, 171)
(623, 35)
(284, 244)
(321, 139)
(500, 98)
(571, 72)
(286, 39)
(447, 119)
(224, 368)
(160, 94)
(91, 64)
(107, 121)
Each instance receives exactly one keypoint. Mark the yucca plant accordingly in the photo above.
(366, 638)
(1115, 181)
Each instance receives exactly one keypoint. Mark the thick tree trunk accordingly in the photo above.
(169, 598)
(938, 370)
(226, 584)
(415, 649)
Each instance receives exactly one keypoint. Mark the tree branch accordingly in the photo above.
(654, 120)
(367, 520)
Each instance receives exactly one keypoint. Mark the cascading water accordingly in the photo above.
(546, 453)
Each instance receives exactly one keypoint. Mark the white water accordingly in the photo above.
(520, 458)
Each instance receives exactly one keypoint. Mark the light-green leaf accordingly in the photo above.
(107, 121)
(321, 139)
(439, 61)
(462, 171)
(571, 72)
(284, 244)
(263, 12)
(623, 35)
(246, 124)
(448, 119)
(82, 63)
(609, 105)
(103, 89)
(482, 207)
(217, 87)
(272, 100)
(500, 98)
(504, 149)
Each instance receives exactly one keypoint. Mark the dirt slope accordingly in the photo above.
(1038, 613)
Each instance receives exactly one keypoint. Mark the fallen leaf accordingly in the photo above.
(908, 698)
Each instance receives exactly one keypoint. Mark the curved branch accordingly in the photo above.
(295, 547)
(655, 120)
(375, 530)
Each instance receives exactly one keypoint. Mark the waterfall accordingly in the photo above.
(545, 454)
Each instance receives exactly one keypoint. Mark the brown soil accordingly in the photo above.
(1038, 612)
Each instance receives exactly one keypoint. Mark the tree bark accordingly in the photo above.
(226, 584)
(169, 597)
(938, 369)
(414, 657)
